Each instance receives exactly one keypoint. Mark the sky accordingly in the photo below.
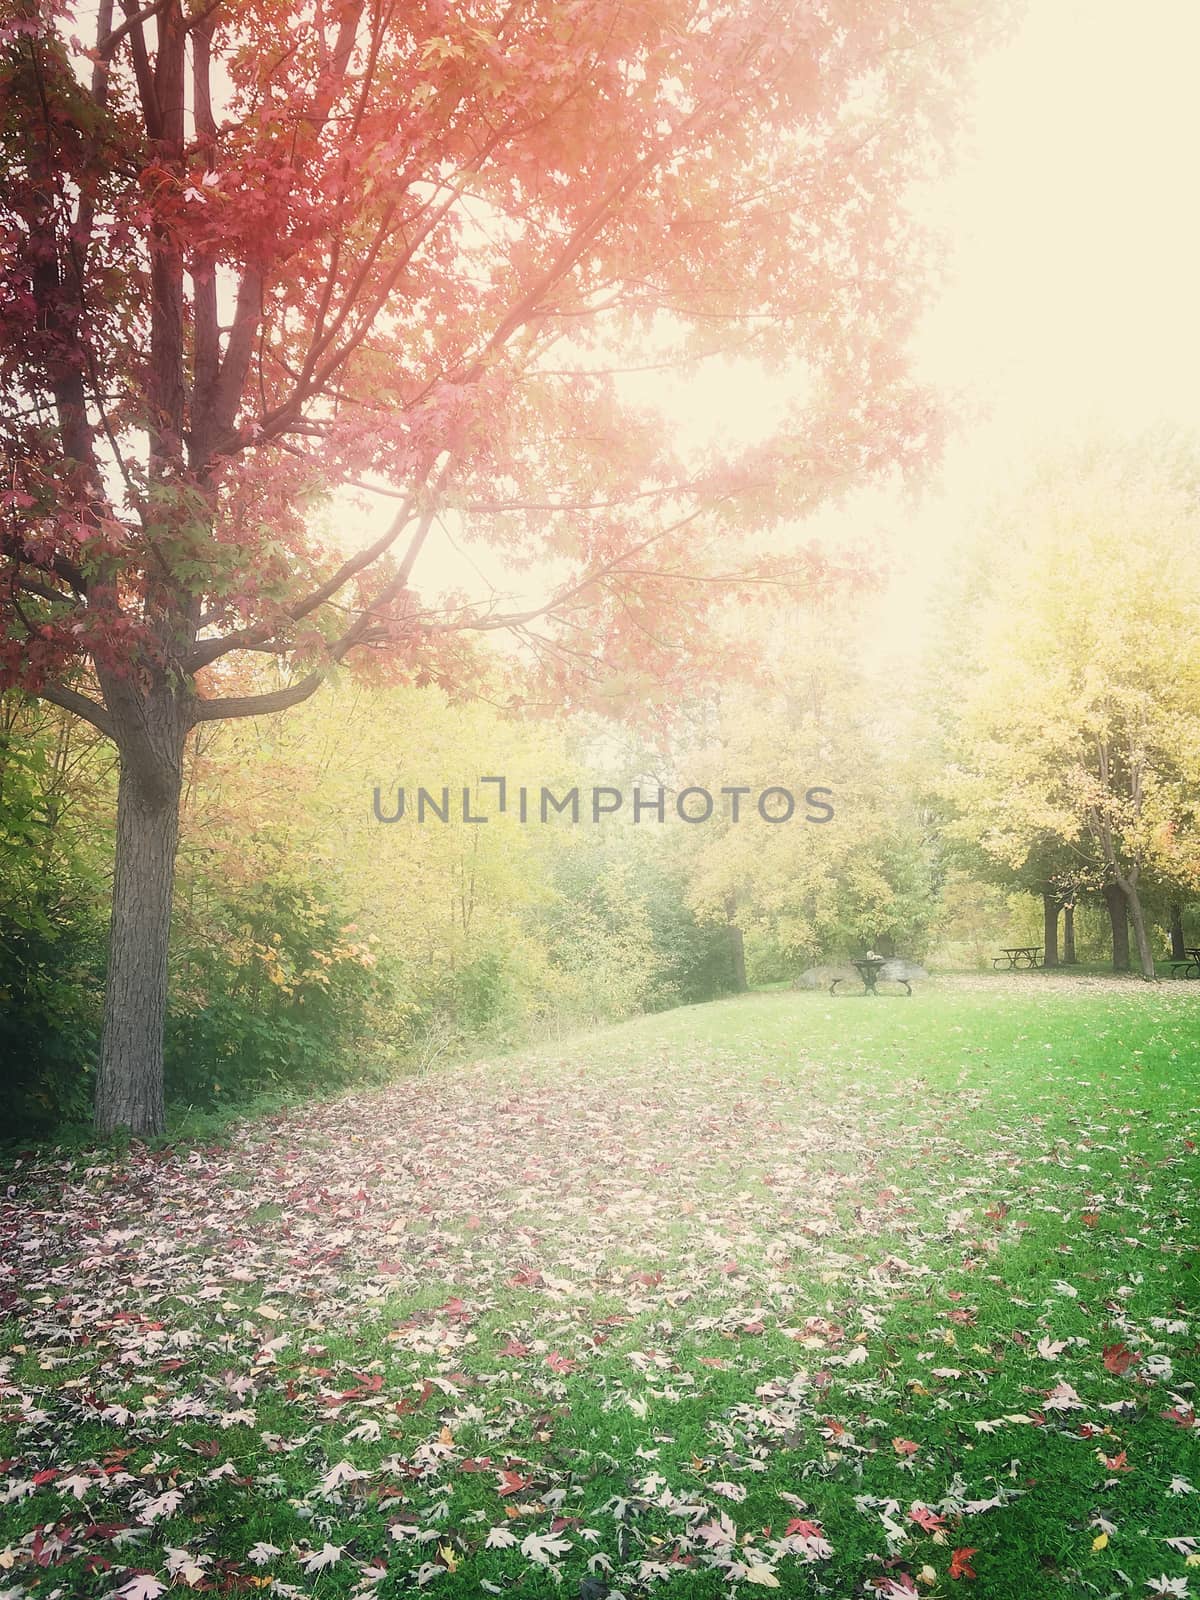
(1076, 237)
(1074, 275)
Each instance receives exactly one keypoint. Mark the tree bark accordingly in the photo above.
(737, 946)
(1137, 917)
(1050, 927)
(129, 1085)
(1177, 948)
(1117, 905)
(1070, 959)
(737, 956)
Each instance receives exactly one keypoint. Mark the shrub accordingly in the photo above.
(51, 974)
(274, 990)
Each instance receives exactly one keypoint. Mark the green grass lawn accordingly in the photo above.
(842, 1297)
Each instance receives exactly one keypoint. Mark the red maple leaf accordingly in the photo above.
(1185, 1416)
(512, 1483)
(960, 1562)
(905, 1447)
(924, 1518)
(560, 1363)
(799, 1527)
(1118, 1358)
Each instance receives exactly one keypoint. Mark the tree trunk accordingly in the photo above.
(1117, 905)
(129, 1086)
(737, 956)
(1070, 959)
(1137, 917)
(1050, 927)
(1177, 947)
(737, 946)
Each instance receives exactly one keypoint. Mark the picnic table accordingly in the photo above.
(869, 969)
(1018, 958)
(1189, 966)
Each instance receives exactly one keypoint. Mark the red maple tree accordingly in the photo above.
(255, 250)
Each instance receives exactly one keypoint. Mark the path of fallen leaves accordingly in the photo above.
(564, 1320)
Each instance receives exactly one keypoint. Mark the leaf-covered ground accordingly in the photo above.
(840, 1297)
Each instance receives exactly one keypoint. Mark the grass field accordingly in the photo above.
(835, 1296)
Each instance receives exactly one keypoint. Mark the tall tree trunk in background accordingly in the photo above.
(1129, 886)
(1177, 949)
(737, 948)
(1117, 905)
(1070, 959)
(1124, 876)
(1050, 927)
(152, 727)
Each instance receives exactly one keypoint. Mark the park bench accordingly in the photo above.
(1018, 958)
(1188, 966)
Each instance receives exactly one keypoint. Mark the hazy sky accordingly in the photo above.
(1075, 266)
(1075, 223)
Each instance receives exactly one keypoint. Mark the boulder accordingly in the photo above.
(898, 970)
(821, 977)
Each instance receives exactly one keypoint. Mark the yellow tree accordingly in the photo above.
(820, 727)
(1078, 727)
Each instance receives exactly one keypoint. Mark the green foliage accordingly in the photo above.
(51, 967)
(274, 988)
(620, 937)
(810, 890)
(52, 929)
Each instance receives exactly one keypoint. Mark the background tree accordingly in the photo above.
(254, 251)
(816, 717)
(1079, 715)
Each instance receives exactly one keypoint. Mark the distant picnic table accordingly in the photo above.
(1189, 966)
(1018, 957)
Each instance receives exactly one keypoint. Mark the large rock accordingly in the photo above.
(900, 971)
(896, 970)
(821, 977)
